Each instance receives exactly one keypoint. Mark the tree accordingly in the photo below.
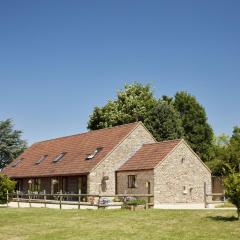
(197, 131)
(6, 184)
(234, 149)
(164, 122)
(11, 145)
(232, 190)
(133, 104)
(221, 147)
(137, 103)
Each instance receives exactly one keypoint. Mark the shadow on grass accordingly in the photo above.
(224, 219)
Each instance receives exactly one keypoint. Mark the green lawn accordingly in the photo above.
(117, 224)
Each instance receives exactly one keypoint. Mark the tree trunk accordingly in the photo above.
(238, 213)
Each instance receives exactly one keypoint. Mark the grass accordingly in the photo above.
(43, 224)
(225, 205)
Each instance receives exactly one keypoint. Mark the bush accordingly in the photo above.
(136, 202)
(232, 190)
(5, 184)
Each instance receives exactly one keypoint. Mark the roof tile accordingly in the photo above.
(77, 147)
(149, 155)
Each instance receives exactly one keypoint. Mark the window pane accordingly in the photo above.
(131, 181)
(59, 157)
(41, 159)
(94, 153)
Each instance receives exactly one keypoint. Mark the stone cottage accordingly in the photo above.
(122, 159)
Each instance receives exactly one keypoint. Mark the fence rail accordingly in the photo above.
(79, 199)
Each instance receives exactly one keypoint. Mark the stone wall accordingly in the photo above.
(141, 178)
(180, 178)
(120, 155)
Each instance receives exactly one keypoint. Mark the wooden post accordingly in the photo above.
(29, 198)
(60, 200)
(146, 205)
(205, 194)
(7, 198)
(18, 200)
(99, 197)
(224, 196)
(45, 198)
(79, 198)
(149, 191)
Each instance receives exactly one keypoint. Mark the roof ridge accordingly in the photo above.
(165, 141)
(90, 131)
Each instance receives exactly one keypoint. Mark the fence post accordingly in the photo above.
(60, 200)
(7, 198)
(45, 198)
(224, 196)
(29, 198)
(99, 201)
(146, 206)
(18, 200)
(79, 198)
(205, 194)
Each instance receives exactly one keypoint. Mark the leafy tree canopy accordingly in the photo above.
(167, 118)
(234, 149)
(164, 122)
(197, 131)
(132, 104)
(11, 144)
(221, 155)
(137, 103)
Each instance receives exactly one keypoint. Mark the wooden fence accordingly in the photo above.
(79, 199)
(206, 195)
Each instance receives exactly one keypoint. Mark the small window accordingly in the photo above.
(94, 153)
(41, 159)
(183, 159)
(59, 157)
(132, 181)
(17, 162)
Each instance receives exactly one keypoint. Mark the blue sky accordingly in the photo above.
(59, 59)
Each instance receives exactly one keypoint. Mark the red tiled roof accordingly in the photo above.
(77, 148)
(149, 155)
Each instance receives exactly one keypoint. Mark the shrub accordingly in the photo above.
(136, 202)
(232, 189)
(5, 184)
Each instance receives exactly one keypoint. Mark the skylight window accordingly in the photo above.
(94, 153)
(59, 157)
(17, 162)
(41, 159)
